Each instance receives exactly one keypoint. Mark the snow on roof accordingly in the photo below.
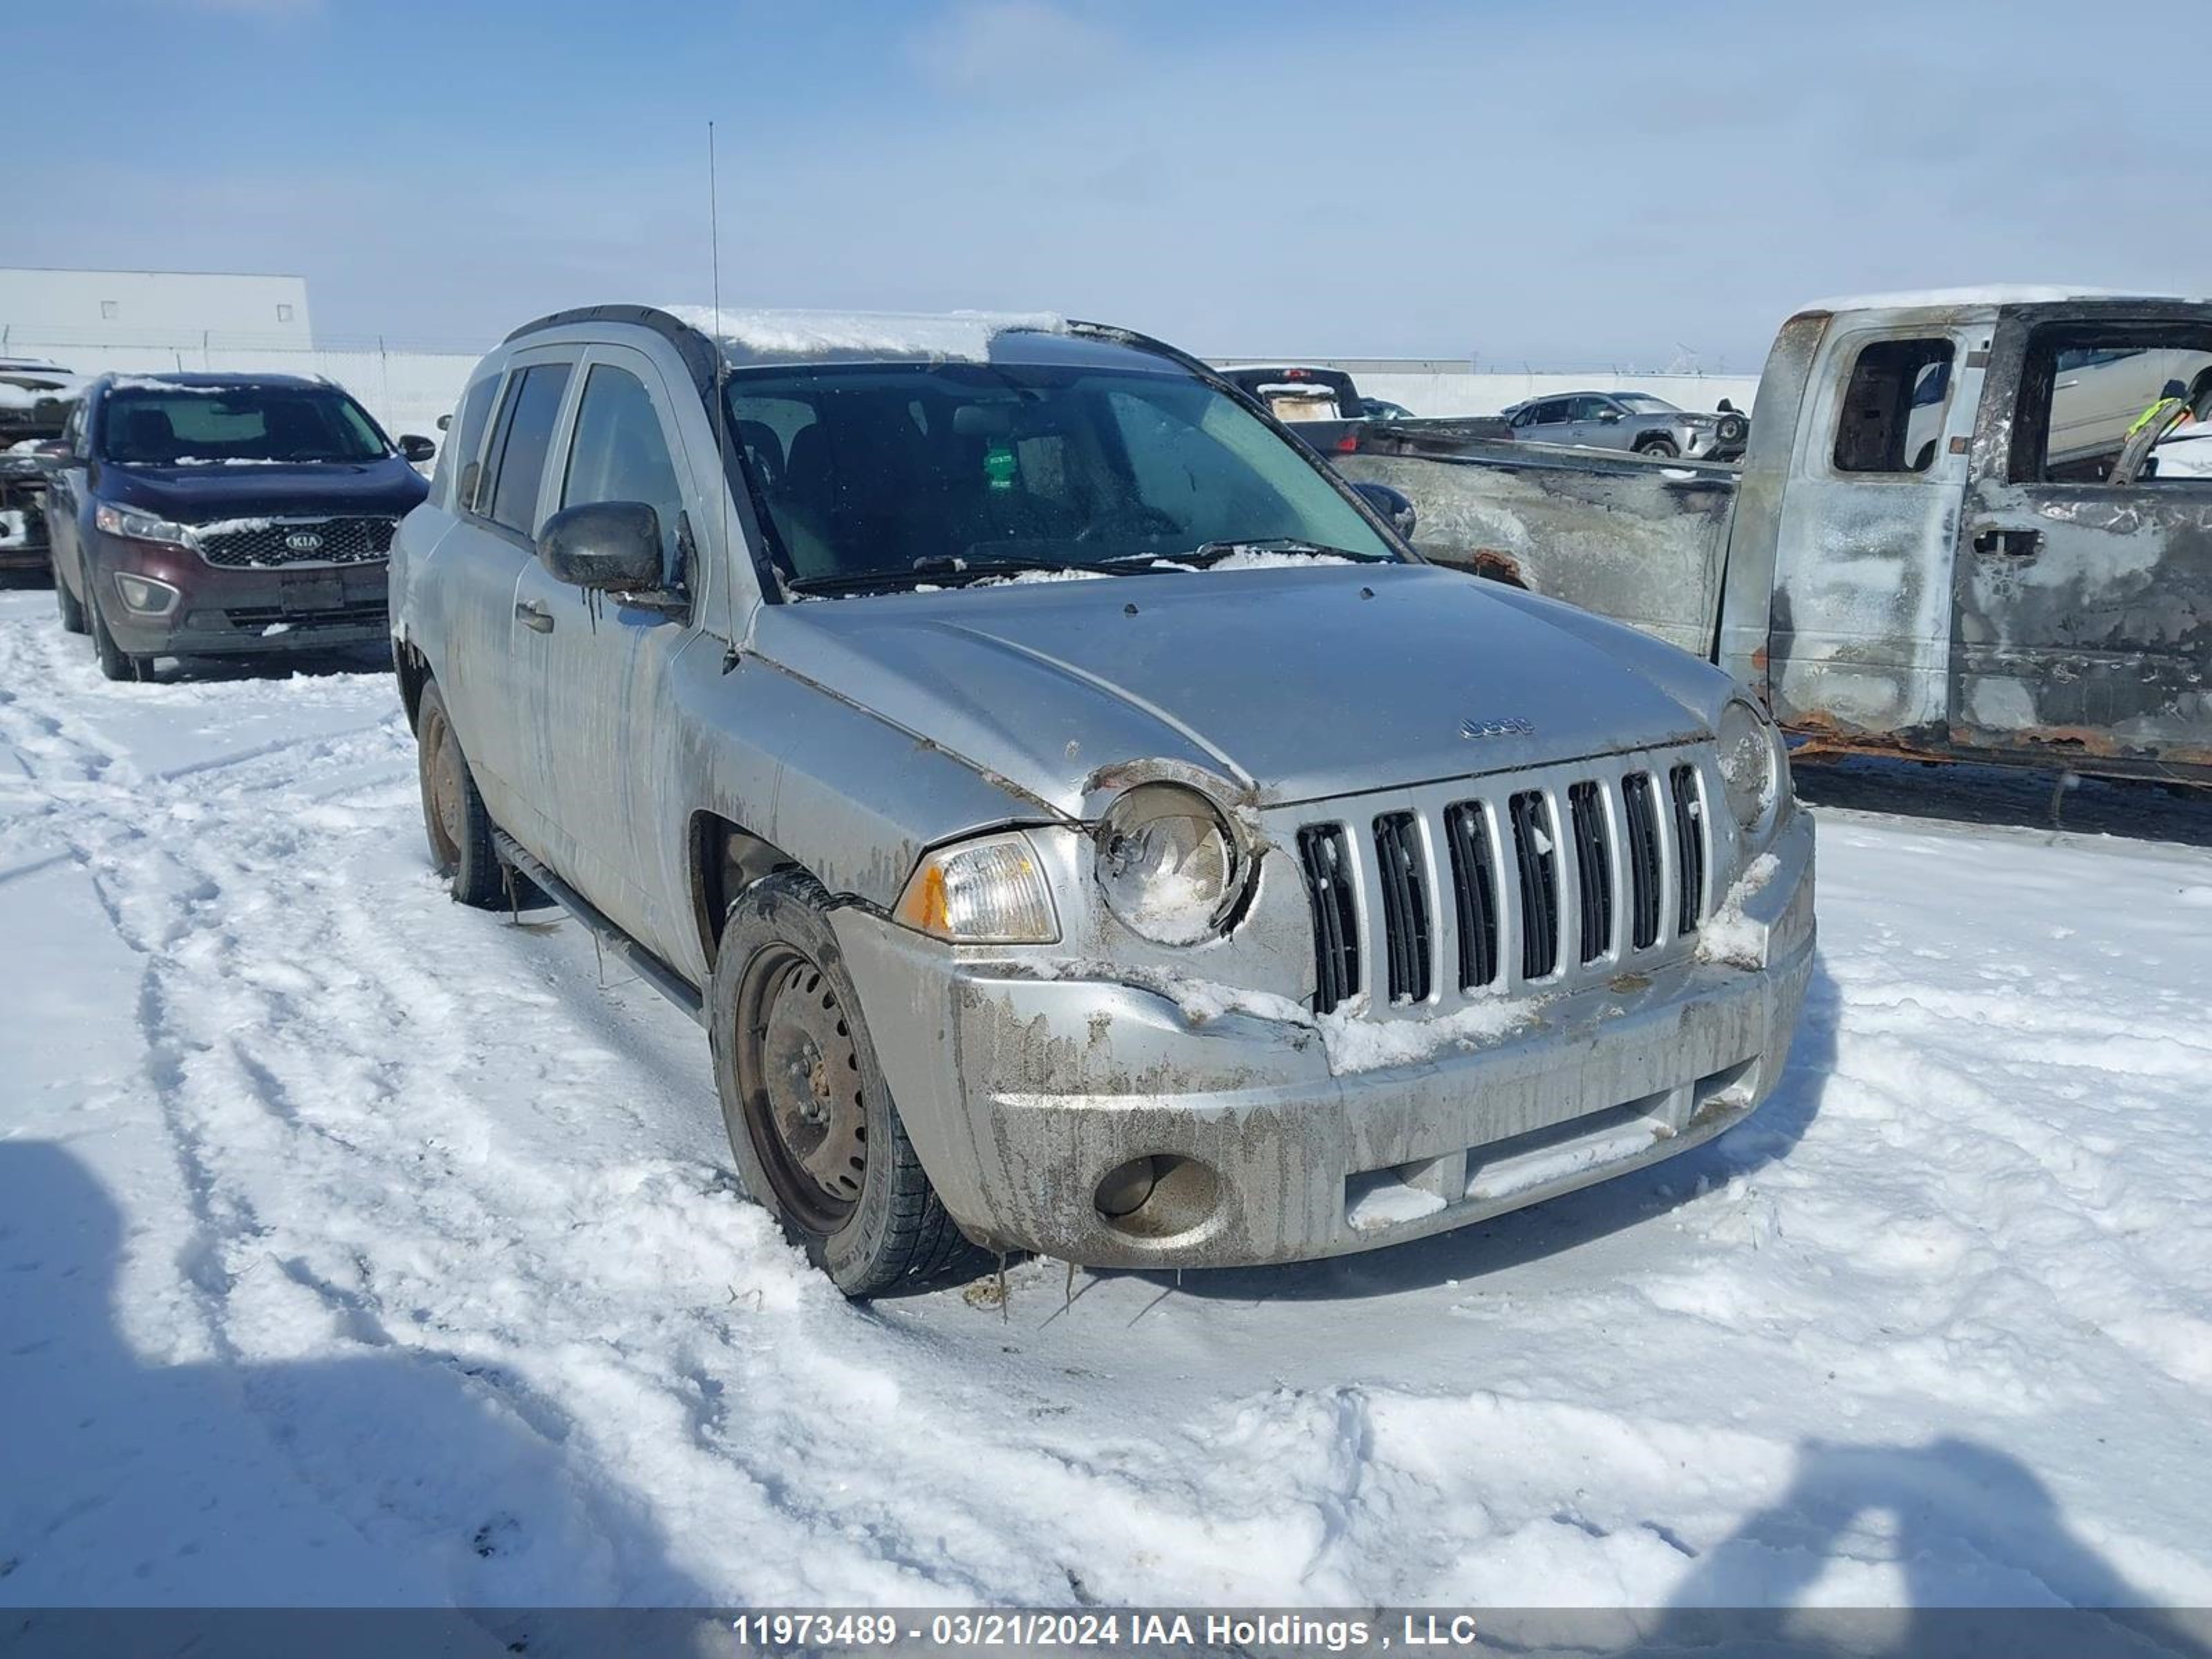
(1993, 294)
(958, 336)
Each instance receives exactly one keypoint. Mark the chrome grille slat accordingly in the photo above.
(1536, 855)
(1405, 925)
(1593, 868)
(354, 540)
(1555, 878)
(1641, 815)
(1474, 892)
(1689, 847)
(1329, 884)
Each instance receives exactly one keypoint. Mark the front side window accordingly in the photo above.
(620, 452)
(526, 434)
(155, 425)
(896, 469)
(2115, 403)
(1892, 419)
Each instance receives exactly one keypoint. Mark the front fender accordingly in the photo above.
(845, 791)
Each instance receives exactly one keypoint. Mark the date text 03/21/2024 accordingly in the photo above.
(1095, 1629)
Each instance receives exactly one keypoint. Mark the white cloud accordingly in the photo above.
(996, 45)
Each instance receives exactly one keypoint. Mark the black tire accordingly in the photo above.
(817, 1139)
(454, 821)
(1663, 448)
(115, 662)
(71, 607)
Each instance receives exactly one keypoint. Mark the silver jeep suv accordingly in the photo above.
(1081, 824)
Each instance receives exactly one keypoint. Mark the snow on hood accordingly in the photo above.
(1293, 683)
(954, 337)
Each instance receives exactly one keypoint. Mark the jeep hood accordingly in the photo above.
(1290, 683)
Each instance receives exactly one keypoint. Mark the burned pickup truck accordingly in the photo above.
(1969, 524)
(1080, 823)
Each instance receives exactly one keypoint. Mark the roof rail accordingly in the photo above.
(698, 353)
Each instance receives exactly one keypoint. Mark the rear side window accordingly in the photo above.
(526, 435)
(1893, 407)
(462, 443)
(620, 452)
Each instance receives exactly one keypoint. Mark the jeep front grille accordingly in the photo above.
(1556, 878)
(269, 544)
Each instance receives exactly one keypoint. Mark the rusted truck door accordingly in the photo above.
(1859, 632)
(2083, 623)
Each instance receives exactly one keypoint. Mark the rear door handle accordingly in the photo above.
(534, 616)
(2008, 544)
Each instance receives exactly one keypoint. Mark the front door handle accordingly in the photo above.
(1990, 539)
(534, 616)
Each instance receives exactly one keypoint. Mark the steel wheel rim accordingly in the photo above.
(799, 1077)
(442, 789)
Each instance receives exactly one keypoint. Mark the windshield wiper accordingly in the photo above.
(1207, 553)
(937, 571)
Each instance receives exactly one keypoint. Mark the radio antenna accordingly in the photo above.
(721, 366)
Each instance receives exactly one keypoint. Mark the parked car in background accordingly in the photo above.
(209, 514)
(1326, 409)
(951, 714)
(1634, 420)
(34, 405)
(1297, 392)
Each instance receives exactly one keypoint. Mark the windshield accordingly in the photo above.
(910, 471)
(1642, 403)
(180, 426)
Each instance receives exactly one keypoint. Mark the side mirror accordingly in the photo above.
(444, 422)
(416, 448)
(1610, 417)
(611, 546)
(1392, 504)
(54, 453)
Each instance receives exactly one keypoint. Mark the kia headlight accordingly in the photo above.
(989, 891)
(1168, 862)
(1754, 769)
(140, 527)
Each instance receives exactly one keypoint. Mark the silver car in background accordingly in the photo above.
(1080, 823)
(1634, 421)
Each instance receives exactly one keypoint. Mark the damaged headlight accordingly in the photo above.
(1754, 770)
(1168, 862)
(991, 891)
(140, 527)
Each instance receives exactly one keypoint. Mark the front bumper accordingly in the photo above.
(226, 612)
(1021, 1094)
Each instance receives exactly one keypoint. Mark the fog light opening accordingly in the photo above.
(1157, 1197)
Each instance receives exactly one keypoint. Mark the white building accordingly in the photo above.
(52, 313)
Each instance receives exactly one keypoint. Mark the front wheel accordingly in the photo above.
(818, 1140)
(453, 816)
(115, 662)
(1658, 448)
(68, 604)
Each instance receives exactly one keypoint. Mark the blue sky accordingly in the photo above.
(1566, 184)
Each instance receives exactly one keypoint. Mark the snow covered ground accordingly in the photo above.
(359, 1249)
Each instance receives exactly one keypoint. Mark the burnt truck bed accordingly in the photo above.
(1913, 557)
(1642, 541)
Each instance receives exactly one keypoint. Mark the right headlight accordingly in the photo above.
(1168, 862)
(1754, 772)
